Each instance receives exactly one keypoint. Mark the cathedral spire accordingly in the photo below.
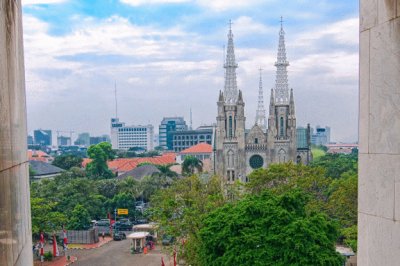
(230, 89)
(281, 83)
(260, 114)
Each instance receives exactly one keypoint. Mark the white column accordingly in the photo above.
(15, 221)
(379, 134)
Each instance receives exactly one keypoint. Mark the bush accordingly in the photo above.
(48, 256)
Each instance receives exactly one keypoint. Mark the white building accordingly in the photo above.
(125, 137)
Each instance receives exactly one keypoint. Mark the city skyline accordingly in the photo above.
(166, 57)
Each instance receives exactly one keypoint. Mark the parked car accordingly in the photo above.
(123, 226)
(167, 240)
(119, 235)
(103, 222)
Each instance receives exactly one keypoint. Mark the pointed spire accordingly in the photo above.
(271, 103)
(260, 114)
(240, 97)
(292, 111)
(281, 83)
(230, 89)
(221, 96)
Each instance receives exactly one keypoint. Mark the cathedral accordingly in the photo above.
(239, 151)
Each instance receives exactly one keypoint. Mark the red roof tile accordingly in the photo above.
(123, 165)
(198, 148)
(34, 155)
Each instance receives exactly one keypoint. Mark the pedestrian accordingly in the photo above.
(103, 235)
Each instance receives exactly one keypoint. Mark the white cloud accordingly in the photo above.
(150, 2)
(215, 5)
(40, 2)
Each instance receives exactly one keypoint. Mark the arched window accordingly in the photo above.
(230, 127)
(281, 131)
(298, 159)
(231, 161)
(282, 156)
(256, 141)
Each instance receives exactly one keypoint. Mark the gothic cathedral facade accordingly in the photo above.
(238, 151)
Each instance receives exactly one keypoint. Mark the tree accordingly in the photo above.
(190, 164)
(80, 218)
(337, 164)
(166, 175)
(267, 230)
(67, 161)
(44, 216)
(179, 208)
(99, 154)
(122, 201)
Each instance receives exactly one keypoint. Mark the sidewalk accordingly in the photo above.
(90, 246)
(57, 261)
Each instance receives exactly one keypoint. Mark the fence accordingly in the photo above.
(82, 236)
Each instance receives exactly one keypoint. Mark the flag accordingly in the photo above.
(55, 246)
(174, 257)
(65, 238)
(162, 261)
(41, 244)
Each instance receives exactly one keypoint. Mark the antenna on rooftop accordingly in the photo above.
(116, 103)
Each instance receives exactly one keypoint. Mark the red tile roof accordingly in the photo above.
(123, 165)
(37, 155)
(198, 148)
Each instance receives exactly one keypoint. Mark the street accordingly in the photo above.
(118, 253)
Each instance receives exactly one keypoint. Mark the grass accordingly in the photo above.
(317, 153)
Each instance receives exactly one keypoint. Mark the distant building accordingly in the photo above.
(30, 140)
(97, 140)
(182, 140)
(125, 137)
(42, 170)
(201, 151)
(63, 141)
(42, 137)
(322, 136)
(342, 148)
(304, 155)
(83, 140)
(168, 125)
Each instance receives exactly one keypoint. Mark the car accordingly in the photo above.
(123, 226)
(119, 236)
(141, 221)
(167, 240)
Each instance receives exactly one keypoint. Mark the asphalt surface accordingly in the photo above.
(118, 253)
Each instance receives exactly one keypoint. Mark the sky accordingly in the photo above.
(165, 57)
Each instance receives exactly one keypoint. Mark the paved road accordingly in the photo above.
(117, 253)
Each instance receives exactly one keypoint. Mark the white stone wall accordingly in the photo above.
(379, 134)
(15, 221)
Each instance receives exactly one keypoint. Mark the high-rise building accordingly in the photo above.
(63, 141)
(99, 139)
(237, 151)
(187, 138)
(321, 136)
(30, 140)
(168, 125)
(42, 137)
(124, 137)
(83, 139)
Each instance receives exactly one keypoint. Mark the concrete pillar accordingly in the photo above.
(15, 221)
(379, 127)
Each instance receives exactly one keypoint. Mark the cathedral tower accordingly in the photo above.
(282, 119)
(260, 114)
(230, 131)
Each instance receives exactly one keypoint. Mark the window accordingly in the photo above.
(230, 127)
(256, 161)
(281, 127)
(256, 140)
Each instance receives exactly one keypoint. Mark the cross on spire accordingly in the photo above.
(281, 22)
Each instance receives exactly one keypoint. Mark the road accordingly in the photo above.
(117, 253)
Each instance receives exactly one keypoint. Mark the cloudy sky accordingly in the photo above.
(166, 57)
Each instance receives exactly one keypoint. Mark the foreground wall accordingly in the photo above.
(15, 222)
(379, 154)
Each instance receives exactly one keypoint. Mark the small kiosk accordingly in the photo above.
(138, 241)
(151, 228)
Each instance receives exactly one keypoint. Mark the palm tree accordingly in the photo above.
(190, 164)
(166, 175)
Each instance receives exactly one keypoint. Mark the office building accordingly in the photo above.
(321, 136)
(42, 137)
(168, 125)
(182, 140)
(83, 140)
(124, 137)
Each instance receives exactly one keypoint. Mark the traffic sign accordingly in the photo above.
(122, 211)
